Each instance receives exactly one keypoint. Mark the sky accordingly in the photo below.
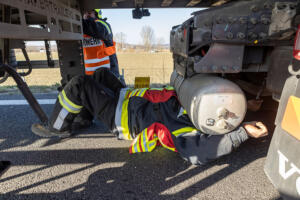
(161, 20)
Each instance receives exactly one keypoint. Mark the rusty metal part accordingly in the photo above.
(37, 64)
(27, 62)
(282, 16)
(70, 65)
(48, 53)
(23, 87)
(4, 77)
(218, 59)
(254, 105)
(251, 88)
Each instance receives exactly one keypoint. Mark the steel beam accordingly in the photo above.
(37, 64)
(193, 3)
(166, 3)
(60, 21)
(23, 87)
(139, 3)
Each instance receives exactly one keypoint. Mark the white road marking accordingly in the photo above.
(24, 102)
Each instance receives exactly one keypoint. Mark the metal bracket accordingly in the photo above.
(292, 71)
(23, 87)
(219, 59)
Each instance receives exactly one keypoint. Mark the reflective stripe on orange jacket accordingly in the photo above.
(96, 54)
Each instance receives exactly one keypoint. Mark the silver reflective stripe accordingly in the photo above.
(60, 119)
(91, 61)
(90, 69)
(180, 112)
(140, 94)
(118, 114)
(69, 107)
(133, 92)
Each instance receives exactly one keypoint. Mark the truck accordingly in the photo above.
(252, 43)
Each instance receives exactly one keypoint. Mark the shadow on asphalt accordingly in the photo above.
(143, 176)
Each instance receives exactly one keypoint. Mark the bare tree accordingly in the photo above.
(148, 38)
(160, 41)
(120, 38)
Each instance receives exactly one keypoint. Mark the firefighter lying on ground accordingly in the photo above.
(149, 117)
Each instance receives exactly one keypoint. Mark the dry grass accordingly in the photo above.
(156, 65)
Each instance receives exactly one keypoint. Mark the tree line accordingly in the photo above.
(149, 41)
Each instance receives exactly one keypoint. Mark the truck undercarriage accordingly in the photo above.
(248, 42)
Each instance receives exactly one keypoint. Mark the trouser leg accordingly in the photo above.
(81, 92)
(105, 77)
(60, 119)
(114, 66)
(84, 115)
(109, 79)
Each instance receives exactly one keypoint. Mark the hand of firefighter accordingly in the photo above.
(256, 129)
(85, 16)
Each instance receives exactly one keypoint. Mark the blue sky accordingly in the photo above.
(161, 20)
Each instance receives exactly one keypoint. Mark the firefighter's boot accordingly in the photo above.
(45, 131)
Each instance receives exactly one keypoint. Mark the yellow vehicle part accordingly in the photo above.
(291, 118)
(142, 82)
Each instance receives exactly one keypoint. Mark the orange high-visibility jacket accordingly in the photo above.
(96, 54)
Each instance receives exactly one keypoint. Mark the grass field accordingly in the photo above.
(156, 65)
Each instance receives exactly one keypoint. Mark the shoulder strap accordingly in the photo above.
(105, 24)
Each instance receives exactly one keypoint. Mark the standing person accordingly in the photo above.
(98, 45)
(99, 52)
(149, 117)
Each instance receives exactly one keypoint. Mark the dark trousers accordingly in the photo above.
(97, 94)
(111, 79)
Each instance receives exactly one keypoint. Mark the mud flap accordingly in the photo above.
(283, 164)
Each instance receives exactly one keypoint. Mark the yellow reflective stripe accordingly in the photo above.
(132, 93)
(143, 143)
(66, 107)
(137, 144)
(151, 145)
(133, 145)
(139, 92)
(170, 148)
(143, 92)
(105, 24)
(70, 102)
(136, 92)
(184, 112)
(145, 140)
(183, 130)
(132, 148)
(142, 138)
(169, 88)
(124, 121)
(124, 118)
(160, 89)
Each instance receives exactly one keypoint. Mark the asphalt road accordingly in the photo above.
(95, 165)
